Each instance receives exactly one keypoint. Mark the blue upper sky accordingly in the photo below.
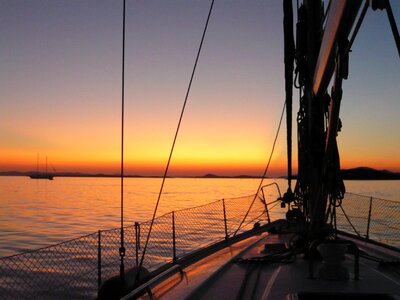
(61, 75)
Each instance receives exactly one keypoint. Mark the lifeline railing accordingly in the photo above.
(370, 218)
(76, 268)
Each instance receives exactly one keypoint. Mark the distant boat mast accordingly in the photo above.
(38, 175)
(37, 163)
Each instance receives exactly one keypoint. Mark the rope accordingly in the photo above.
(255, 264)
(265, 170)
(175, 138)
(284, 256)
(348, 220)
(122, 248)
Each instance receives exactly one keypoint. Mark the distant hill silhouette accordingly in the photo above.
(218, 176)
(365, 173)
(360, 173)
(210, 176)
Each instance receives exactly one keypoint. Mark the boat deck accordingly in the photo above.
(221, 276)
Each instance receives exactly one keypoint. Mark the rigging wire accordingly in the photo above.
(393, 25)
(357, 28)
(348, 220)
(392, 22)
(265, 170)
(289, 56)
(122, 248)
(175, 138)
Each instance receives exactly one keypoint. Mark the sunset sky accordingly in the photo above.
(60, 87)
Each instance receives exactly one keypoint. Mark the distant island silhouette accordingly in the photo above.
(366, 173)
(359, 173)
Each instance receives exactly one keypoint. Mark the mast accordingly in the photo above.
(320, 54)
(289, 65)
(315, 133)
(311, 114)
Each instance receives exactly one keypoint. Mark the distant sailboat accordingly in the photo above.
(41, 175)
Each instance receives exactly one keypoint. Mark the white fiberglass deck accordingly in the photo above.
(219, 276)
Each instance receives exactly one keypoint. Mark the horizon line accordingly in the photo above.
(206, 175)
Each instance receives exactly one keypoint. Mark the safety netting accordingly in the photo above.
(75, 269)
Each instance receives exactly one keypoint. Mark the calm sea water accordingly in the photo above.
(36, 213)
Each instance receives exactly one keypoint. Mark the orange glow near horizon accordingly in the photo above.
(233, 149)
(184, 163)
(60, 90)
